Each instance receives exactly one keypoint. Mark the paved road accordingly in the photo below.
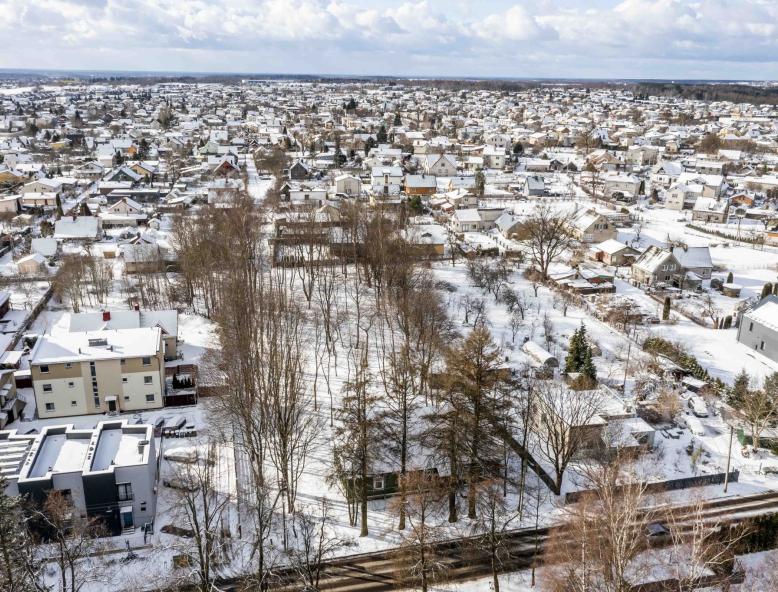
(465, 558)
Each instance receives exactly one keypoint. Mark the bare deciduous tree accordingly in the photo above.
(563, 423)
(419, 564)
(314, 543)
(72, 539)
(200, 510)
(548, 236)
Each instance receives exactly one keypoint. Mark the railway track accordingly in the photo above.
(462, 559)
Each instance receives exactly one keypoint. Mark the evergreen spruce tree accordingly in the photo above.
(767, 289)
(739, 388)
(666, 309)
(588, 368)
(381, 135)
(730, 278)
(572, 361)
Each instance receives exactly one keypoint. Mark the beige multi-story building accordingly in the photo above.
(87, 372)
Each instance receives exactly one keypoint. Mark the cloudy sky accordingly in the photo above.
(730, 39)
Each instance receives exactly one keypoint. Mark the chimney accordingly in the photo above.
(106, 315)
(136, 307)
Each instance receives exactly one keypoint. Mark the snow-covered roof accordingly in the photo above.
(468, 215)
(610, 246)
(652, 258)
(96, 345)
(766, 313)
(711, 204)
(45, 246)
(125, 319)
(81, 227)
(693, 257)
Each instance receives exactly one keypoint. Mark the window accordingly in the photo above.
(378, 482)
(73, 403)
(126, 397)
(47, 388)
(146, 361)
(124, 491)
(71, 384)
(761, 345)
(68, 365)
(122, 361)
(97, 400)
(148, 379)
(49, 406)
(44, 368)
(751, 327)
(150, 398)
(143, 506)
(124, 379)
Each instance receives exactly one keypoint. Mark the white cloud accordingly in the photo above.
(637, 37)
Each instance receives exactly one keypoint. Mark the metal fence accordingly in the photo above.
(671, 485)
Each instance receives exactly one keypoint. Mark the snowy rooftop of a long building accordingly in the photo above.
(96, 345)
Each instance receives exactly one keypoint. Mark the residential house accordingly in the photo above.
(77, 228)
(589, 226)
(32, 264)
(694, 259)
(511, 226)
(108, 472)
(386, 180)
(125, 212)
(534, 186)
(466, 220)
(439, 165)
(420, 184)
(655, 266)
(622, 186)
(123, 174)
(10, 204)
(665, 173)
(49, 186)
(494, 157)
(111, 320)
(88, 372)
(711, 209)
(11, 405)
(45, 246)
(299, 171)
(613, 252)
(348, 185)
(758, 328)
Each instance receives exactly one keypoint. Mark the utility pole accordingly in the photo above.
(626, 366)
(729, 458)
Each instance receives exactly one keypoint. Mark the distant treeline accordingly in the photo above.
(737, 93)
(697, 90)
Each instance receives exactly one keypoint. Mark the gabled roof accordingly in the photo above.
(166, 320)
(693, 257)
(81, 227)
(652, 258)
(711, 204)
(611, 246)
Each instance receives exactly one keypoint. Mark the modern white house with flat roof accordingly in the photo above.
(758, 328)
(109, 472)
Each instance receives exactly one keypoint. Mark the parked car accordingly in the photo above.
(698, 406)
(695, 425)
